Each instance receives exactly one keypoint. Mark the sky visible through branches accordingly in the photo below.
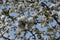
(38, 26)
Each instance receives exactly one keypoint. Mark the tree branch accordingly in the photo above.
(30, 32)
(55, 16)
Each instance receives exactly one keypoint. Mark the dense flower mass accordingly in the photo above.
(29, 19)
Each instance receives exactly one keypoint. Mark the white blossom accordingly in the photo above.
(22, 18)
(2, 25)
(6, 23)
(34, 15)
(39, 3)
(30, 19)
(30, 5)
(52, 5)
(18, 30)
(12, 9)
(21, 6)
(3, 16)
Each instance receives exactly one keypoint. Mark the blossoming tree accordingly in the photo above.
(29, 20)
